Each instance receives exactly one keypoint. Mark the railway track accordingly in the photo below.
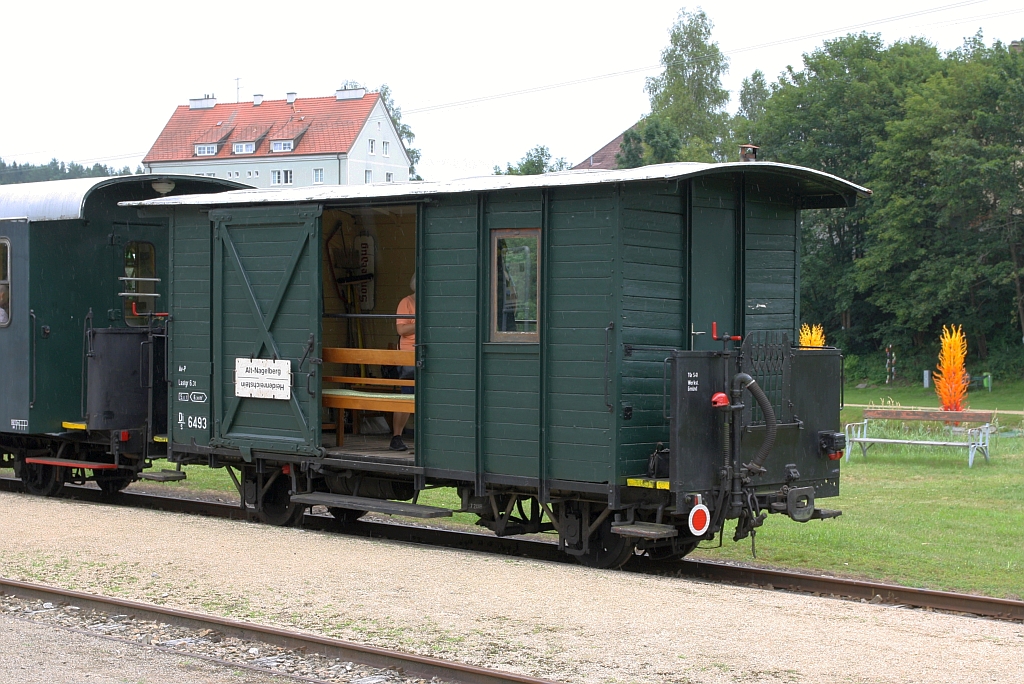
(299, 642)
(824, 585)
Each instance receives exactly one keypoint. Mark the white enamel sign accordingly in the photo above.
(263, 378)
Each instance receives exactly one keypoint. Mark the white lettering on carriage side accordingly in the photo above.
(692, 381)
(198, 397)
(193, 422)
(263, 378)
(182, 396)
(19, 425)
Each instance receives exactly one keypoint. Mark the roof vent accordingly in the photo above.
(257, 100)
(291, 98)
(1017, 46)
(204, 102)
(748, 153)
(350, 93)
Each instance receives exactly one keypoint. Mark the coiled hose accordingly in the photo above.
(742, 381)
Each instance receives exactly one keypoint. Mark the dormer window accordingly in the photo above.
(281, 146)
(206, 150)
(244, 148)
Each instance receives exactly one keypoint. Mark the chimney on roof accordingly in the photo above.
(204, 102)
(350, 93)
(748, 153)
(257, 100)
(1016, 46)
(291, 98)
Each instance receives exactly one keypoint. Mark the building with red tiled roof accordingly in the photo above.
(341, 140)
(604, 158)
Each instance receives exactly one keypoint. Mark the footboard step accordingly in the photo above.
(164, 476)
(645, 530)
(361, 503)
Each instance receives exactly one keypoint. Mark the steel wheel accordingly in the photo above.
(276, 507)
(607, 550)
(42, 480)
(111, 483)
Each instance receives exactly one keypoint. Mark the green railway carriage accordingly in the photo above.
(613, 349)
(81, 279)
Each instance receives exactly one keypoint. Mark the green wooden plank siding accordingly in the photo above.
(771, 297)
(654, 311)
(583, 238)
(191, 331)
(447, 301)
(510, 402)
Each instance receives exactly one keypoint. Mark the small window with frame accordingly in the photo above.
(5, 282)
(515, 285)
(140, 282)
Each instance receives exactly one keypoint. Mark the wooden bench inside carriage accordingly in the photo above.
(977, 438)
(365, 398)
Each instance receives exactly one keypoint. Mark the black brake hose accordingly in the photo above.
(743, 381)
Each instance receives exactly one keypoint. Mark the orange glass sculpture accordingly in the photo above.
(951, 379)
(812, 336)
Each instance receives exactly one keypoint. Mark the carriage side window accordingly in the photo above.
(515, 285)
(5, 283)
(139, 283)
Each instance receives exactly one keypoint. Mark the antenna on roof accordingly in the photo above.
(238, 89)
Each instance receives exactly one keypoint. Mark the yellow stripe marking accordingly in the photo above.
(160, 438)
(646, 483)
(74, 426)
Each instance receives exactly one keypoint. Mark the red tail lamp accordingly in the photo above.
(835, 455)
(700, 518)
(286, 469)
(125, 435)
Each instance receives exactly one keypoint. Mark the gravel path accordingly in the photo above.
(551, 620)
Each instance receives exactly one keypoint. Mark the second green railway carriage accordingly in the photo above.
(614, 349)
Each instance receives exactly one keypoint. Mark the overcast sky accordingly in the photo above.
(97, 81)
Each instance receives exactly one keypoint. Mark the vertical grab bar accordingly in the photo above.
(32, 401)
(607, 352)
(664, 388)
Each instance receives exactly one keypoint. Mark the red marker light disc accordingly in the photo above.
(700, 520)
(719, 399)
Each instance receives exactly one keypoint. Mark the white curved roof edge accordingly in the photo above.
(379, 191)
(64, 200)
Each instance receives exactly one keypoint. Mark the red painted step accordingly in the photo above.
(64, 463)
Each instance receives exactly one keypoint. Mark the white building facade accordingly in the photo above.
(343, 140)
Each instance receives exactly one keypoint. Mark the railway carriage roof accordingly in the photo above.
(64, 200)
(825, 189)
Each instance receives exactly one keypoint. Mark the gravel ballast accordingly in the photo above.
(36, 653)
(550, 620)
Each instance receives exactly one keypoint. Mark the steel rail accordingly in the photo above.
(827, 585)
(373, 656)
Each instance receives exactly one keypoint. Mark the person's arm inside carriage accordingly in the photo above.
(406, 328)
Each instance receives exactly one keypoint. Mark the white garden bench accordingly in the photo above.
(977, 438)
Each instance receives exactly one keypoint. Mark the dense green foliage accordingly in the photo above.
(536, 161)
(939, 138)
(55, 170)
